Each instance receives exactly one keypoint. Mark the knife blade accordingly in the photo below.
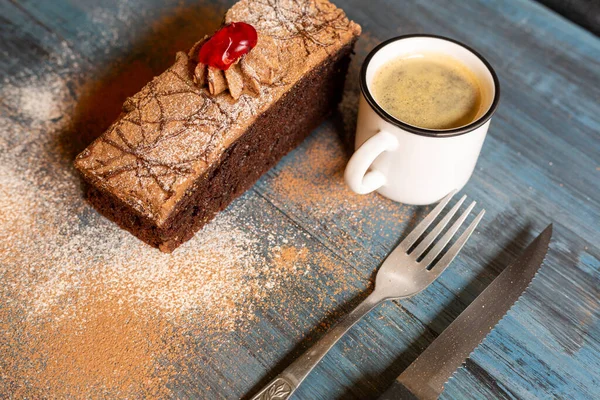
(426, 376)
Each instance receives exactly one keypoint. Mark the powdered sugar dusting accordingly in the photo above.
(217, 277)
(108, 33)
(38, 103)
(42, 101)
(86, 308)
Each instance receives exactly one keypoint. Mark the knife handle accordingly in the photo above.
(288, 381)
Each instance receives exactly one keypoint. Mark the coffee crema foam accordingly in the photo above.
(432, 91)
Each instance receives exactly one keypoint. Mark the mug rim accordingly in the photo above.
(461, 130)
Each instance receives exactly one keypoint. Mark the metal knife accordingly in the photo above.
(426, 376)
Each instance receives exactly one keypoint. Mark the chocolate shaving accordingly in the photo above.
(235, 80)
(200, 75)
(251, 80)
(217, 83)
(264, 60)
(200, 71)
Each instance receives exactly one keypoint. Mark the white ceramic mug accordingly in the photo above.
(410, 164)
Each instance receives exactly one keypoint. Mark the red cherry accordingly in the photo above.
(228, 44)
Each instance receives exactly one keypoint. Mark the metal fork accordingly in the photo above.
(404, 273)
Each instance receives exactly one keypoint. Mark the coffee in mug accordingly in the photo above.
(432, 91)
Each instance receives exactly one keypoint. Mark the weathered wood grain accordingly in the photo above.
(540, 163)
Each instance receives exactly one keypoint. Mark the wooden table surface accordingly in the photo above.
(540, 164)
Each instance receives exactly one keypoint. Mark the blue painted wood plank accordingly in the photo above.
(103, 32)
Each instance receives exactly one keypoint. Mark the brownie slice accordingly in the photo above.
(195, 138)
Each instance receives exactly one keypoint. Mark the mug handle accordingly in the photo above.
(357, 174)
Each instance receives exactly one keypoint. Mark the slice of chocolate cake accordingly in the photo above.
(200, 134)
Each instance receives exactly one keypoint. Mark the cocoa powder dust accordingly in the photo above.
(89, 311)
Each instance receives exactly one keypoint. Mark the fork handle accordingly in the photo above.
(288, 381)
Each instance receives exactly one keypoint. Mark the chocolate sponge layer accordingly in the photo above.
(272, 135)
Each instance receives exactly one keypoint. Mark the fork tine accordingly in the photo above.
(441, 244)
(423, 225)
(441, 265)
(424, 245)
